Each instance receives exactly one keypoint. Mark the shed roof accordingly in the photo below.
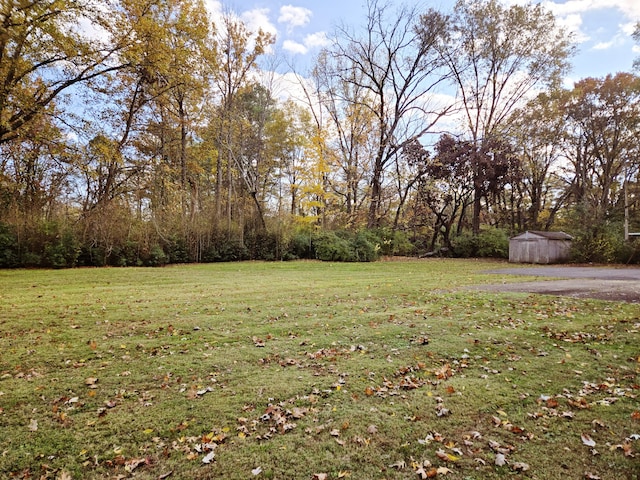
(540, 234)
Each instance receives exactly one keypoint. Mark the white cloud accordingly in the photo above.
(570, 15)
(318, 39)
(294, 47)
(259, 19)
(573, 24)
(604, 45)
(311, 41)
(294, 16)
(214, 7)
(636, 49)
(628, 28)
(631, 8)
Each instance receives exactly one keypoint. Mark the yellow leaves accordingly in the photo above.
(447, 457)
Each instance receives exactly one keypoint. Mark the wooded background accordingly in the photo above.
(145, 132)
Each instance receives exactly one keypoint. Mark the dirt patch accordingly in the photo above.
(620, 284)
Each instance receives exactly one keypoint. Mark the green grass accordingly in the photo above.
(362, 371)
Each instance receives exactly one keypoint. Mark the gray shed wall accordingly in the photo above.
(538, 250)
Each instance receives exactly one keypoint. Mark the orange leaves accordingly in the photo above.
(443, 372)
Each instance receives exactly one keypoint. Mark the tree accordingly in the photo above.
(636, 37)
(486, 170)
(605, 124)
(497, 55)
(392, 70)
(235, 53)
(539, 135)
(46, 48)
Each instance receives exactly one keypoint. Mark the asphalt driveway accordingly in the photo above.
(604, 283)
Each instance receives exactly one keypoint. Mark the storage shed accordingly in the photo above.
(540, 247)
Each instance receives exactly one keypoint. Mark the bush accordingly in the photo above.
(155, 257)
(261, 245)
(490, 243)
(224, 249)
(300, 246)
(366, 247)
(62, 252)
(602, 246)
(493, 243)
(393, 242)
(329, 247)
(343, 246)
(177, 251)
(8, 247)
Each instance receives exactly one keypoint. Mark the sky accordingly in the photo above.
(602, 28)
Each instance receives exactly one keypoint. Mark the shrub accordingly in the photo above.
(8, 247)
(224, 249)
(344, 246)
(393, 242)
(490, 243)
(261, 245)
(465, 245)
(300, 246)
(602, 246)
(493, 243)
(177, 251)
(155, 257)
(366, 246)
(330, 247)
(62, 252)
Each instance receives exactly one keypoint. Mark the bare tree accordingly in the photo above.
(392, 71)
(497, 56)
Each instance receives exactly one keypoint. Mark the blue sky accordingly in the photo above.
(602, 28)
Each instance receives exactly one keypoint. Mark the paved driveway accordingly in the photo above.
(604, 283)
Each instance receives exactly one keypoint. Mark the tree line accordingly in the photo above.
(145, 132)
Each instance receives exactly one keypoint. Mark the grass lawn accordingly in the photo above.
(307, 370)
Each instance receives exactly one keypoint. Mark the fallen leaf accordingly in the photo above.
(319, 476)
(500, 460)
(131, 465)
(423, 474)
(256, 471)
(520, 467)
(33, 425)
(208, 458)
(399, 465)
(587, 440)
(91, 382)
(372, 429)
(442, 455)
